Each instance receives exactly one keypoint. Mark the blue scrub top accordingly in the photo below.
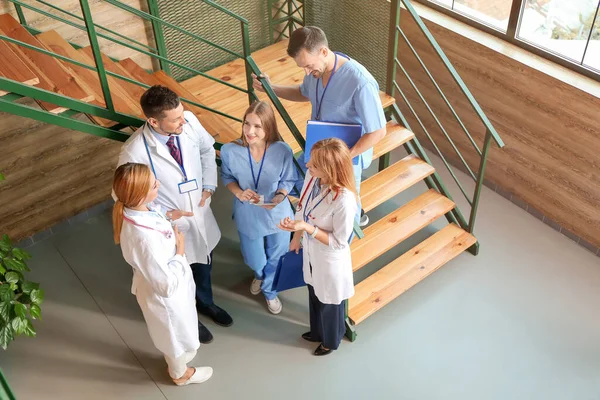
(351, 98)
(278, 172)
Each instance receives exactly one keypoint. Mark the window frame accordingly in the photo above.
(511, 35)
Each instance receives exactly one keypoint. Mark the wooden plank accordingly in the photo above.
(134, 91)
(393, 180)
(12, 67)
(122, 99)
(89, 79)
(215, 126)
(397, 226)
(396, 136)
(138, 72)
(407, 270)
(60, 78)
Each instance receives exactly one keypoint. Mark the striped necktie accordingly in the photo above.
(175, 153)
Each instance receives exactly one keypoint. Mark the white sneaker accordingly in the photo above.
(201, 374)
(255, 286)
(274, 305)
(364, 220)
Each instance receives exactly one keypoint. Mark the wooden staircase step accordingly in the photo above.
(133, 91)
(54, 75)
(397, 226)
(396, 136)
(406, 271)
(138, 73)
(221, 131)
(393, 180)
(12, 67)
(386, 99)
(122, 100)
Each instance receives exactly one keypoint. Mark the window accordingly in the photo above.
(565, 31)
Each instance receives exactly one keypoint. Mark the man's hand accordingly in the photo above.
(256, 83)
(205, 195)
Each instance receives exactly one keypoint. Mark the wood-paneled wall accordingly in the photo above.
(551, 129)
(104, 14)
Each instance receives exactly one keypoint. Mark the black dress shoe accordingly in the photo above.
(204, 334)
(217, 314)
(321, 351)
(307, 336)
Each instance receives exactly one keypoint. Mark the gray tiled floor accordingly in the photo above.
(519, 321)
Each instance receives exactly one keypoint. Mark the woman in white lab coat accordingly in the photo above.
(323, 222)
(162, 278)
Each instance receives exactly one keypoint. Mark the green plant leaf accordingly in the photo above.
(2, 176)
(6, 293)
(6, 239)
(37, 296)
(21, 310)
(29, 330)
(6, 336)
(15, 265)
(35, 311)
(28, 286)
(24, 299)
(12, 277)
(20, 254)
(5, 247)
(2, 269)
(19, 325)
(6, 310)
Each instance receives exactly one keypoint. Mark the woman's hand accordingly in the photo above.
(179, 241)
(176, 214)
(291, 225)
(248, 195)
(295, 244)
(278, 198)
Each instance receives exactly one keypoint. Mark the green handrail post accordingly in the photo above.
(393, 46)
(290, 25)
(5, 391)
(159, 37)
(20, 14)
(350, 328)
(91, 30)
(247, 52)
(476, 196)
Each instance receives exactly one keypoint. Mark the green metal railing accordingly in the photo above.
(5, 391)
(395, 65)
(284, 16)
(159, 53)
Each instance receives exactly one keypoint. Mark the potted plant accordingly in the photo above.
(20, 299)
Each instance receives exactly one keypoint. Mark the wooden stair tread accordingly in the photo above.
(393, 180)
(12, 67)
(138, 73)
(396, 136)
(407, 270)
(221, 131)
(386, 99)
(133, 91)
(397, 226)
(54, 75)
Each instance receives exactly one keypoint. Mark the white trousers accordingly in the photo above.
(178, 366)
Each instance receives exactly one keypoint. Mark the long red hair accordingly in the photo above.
(131, 185)
(332, 157)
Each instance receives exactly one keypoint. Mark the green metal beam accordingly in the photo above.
(226, 11)
(65, 122)
(89, 23)
(11, 86)
(20, 14)
(246, 44)
(159, 36)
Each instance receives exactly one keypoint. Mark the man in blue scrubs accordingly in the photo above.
(339, 89)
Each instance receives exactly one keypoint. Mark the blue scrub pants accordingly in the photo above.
(262, 256)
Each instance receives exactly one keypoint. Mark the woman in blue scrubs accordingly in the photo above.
(259, 168)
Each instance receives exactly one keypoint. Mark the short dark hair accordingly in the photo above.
(158, 99)
(309, 38)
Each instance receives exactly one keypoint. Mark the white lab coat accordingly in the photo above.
(331, 275)
(201, 231)
(162, 283)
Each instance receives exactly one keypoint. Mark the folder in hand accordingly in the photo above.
(289, 273)
(319, 130)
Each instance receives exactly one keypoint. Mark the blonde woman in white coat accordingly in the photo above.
(162, 279)
(323, 224)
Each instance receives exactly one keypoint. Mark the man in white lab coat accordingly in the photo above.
(180, 153)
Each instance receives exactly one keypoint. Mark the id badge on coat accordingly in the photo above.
(188, 186)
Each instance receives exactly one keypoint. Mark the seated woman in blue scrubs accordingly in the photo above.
(256, 167)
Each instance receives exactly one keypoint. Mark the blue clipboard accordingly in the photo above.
(289, 273)
(319, 130)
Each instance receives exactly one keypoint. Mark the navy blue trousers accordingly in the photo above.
(326, 321)
(201, 273)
